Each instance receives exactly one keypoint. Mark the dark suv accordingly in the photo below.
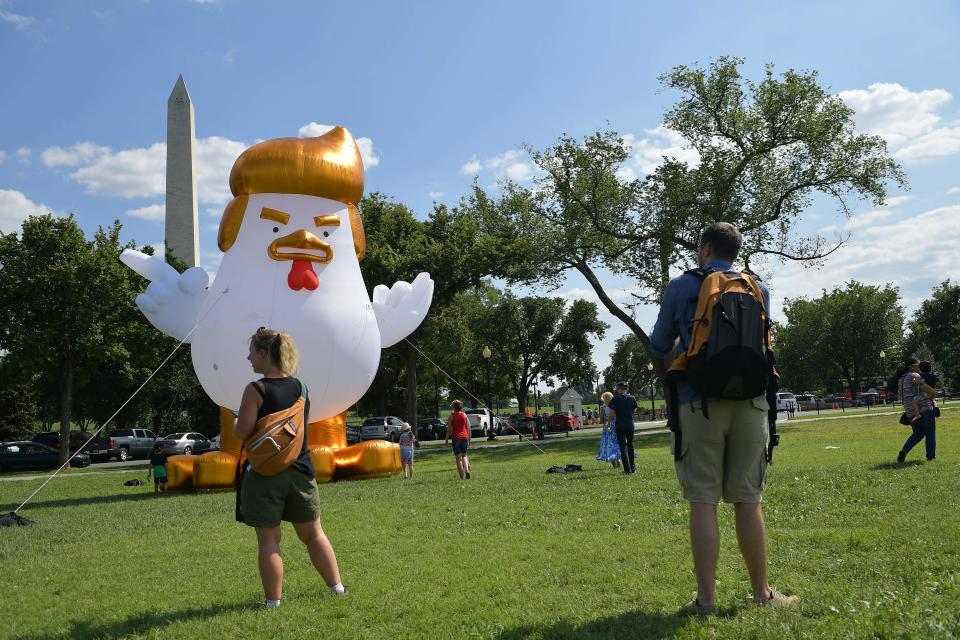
(52, 439)
(431, 429)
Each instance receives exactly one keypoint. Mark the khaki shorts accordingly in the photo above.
(725, 455)
(290, 495)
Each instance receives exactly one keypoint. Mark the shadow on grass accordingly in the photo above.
(891, 466)
(101, 499)
(564, 449)
(142, 624)
(633, 624)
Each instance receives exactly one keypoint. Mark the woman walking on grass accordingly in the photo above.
(911, 388)
(458, 430)
(291, 494)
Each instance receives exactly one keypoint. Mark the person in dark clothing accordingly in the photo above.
(158, 467)
(291, 494)
(623, 405)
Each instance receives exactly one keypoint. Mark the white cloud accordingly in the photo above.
(647, 153)
(215, 158)
(141, 172)
(367, 152)
(15, 207)
(433, 195)
(3, 156)
(230, 56)
(78, 154)
(910, 121)
(18, 21)
(154, 212)
(953, 190)
(512, 164)
(24, 154)
(131, 173)
(912, 252)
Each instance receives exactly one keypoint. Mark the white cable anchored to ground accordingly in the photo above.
(467, 391)
(132, 396)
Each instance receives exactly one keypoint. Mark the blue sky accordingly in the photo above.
(443, 91)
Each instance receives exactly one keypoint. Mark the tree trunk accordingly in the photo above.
(66, 404)
(411, 385)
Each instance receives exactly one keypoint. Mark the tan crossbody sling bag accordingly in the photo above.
(277, 438)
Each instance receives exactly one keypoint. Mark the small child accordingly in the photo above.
(407, 441)
(158, 467)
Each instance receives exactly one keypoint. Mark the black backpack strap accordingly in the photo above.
(773, 385)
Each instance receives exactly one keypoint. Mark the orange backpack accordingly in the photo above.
(277, 438)
(729, 354)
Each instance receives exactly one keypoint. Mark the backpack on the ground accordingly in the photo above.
(729, 354)
(277, 438)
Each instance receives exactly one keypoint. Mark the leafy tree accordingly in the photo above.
(936, 326)
(628, 363)
(18, 402)
(765, 150)
(538, 337)
(840, 334)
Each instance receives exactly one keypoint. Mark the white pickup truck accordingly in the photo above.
(480, 420)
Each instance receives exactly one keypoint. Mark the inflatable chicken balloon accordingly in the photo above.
(292, 239)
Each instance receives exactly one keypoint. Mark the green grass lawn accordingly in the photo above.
(872, 549)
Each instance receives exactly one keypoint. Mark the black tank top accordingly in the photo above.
(279, 394)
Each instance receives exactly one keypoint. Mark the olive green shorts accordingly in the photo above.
(290, 495)
(725, 455)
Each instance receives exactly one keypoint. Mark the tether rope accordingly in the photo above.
(475, 398)
(115, 413)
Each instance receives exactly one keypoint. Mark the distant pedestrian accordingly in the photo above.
(609, 449)
(917, 397)
(458, 431)
(158, 467)
(407, 442)
(623, 405)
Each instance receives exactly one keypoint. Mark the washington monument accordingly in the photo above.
(182, 237)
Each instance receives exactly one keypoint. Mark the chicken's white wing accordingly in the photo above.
(172, 300)
(401, 308)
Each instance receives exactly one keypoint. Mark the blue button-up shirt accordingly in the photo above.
(676, 317)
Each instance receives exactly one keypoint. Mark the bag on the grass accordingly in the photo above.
(277, 438)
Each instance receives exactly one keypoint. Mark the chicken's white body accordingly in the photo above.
(336, 327)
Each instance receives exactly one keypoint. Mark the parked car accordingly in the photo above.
(868, 399)
(52, 439)
(21, 455)
(431, 429)
(807, 401)
(215, 442)
(562, 421)
(381, 428)
(533, 425)
(503, 425)
(833, 399)
(123, 444)
(786, 401)
(353, 433)
(186, 443)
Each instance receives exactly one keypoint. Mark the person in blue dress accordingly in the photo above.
(609, 449)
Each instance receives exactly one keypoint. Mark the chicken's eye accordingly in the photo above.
(275, 229)
(326, 234)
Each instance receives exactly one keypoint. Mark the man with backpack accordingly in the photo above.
(715, 321)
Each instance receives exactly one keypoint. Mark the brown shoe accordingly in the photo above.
(777, 599)
(694, 608)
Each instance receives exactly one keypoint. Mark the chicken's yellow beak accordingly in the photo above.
(300, 239)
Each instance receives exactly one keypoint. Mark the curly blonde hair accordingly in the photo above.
(279, 347)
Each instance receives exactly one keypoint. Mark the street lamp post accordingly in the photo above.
(883, 370)
(653, 410)
(486, 360)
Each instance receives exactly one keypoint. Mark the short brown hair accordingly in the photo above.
(456, 405)
(724, 238)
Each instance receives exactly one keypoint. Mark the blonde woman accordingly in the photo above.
(292, 494)
(609, 449)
